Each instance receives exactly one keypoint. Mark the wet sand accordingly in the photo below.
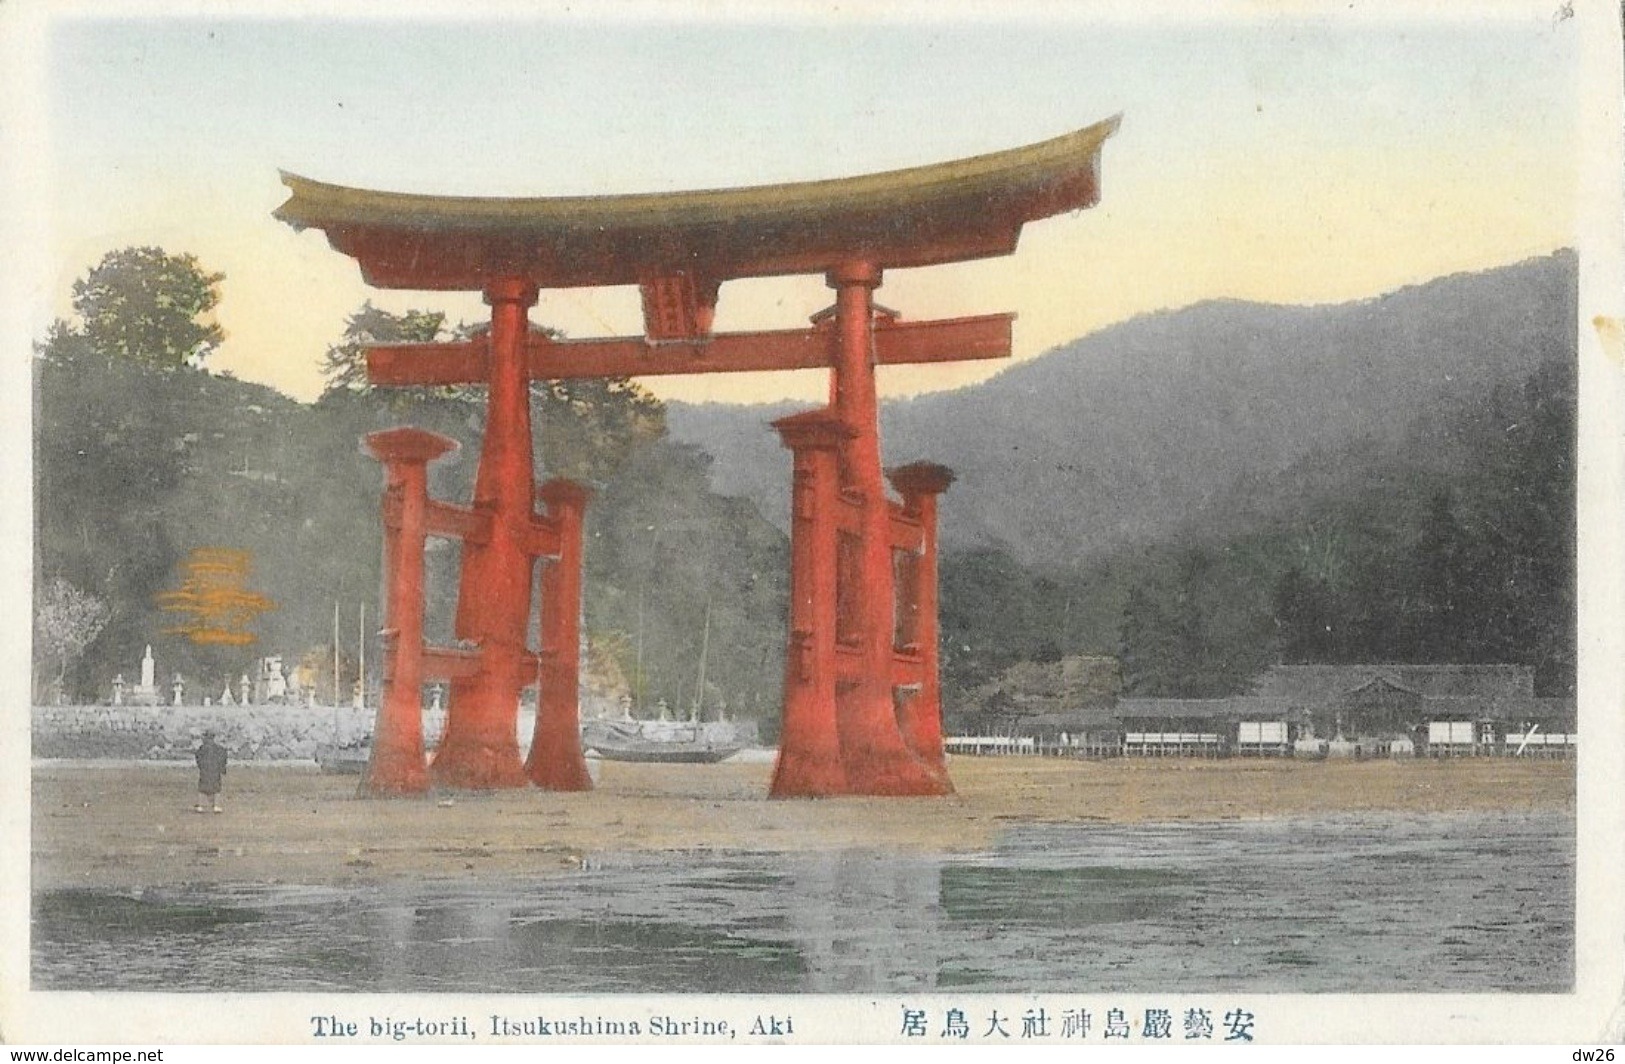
(120, 826)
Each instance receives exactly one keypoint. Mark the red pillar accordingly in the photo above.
(876, 758)
(556, 761)
(397, 764)
(480, 750)
(920, 484)
(809, 762)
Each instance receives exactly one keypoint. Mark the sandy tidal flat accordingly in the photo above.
(121, 826)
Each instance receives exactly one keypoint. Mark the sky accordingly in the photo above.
(1304, 157)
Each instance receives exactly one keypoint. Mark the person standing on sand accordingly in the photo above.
(211, 772)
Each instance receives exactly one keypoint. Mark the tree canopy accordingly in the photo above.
(344, 364)
(66, 621)
(148, 306)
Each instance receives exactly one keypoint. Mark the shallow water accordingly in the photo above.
(1368, 903)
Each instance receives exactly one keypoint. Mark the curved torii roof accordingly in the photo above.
(946, 212)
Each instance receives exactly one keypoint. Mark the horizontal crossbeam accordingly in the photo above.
(457, 522)
(907, 669)
(906, 533)
(461, 663)
(541, 539)
(896, 343)
(450, 663)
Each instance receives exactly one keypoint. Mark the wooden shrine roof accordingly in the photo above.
(946, 212)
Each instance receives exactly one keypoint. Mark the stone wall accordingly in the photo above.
(250, 733)
(163, 733)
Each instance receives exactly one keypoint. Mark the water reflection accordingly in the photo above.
(866, 920)
(1462, 903)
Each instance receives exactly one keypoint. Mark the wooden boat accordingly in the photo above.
(343, 760)
(625, 741)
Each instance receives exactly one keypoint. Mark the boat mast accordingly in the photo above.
(361, 651)
(335, 673)
(637, 673)
(705, 640)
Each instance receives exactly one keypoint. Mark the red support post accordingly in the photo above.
(873, 751)
(480, 750)
(920, 485)
(809, 762)
(397, 765)
(556, 762)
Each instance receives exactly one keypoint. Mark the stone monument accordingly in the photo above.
(146, 692)
(276, 684)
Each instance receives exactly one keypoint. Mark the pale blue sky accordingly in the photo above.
(1293, 160)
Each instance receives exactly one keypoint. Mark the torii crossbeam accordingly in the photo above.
(861, 708)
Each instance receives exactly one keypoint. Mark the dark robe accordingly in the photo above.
(211, 767)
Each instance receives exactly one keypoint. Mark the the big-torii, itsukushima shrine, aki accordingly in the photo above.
(861, 710)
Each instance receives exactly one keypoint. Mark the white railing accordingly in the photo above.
(1028, 746)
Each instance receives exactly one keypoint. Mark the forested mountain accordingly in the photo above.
(1350, 556)
(1126, 435)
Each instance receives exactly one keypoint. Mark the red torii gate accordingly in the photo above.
(861, 712)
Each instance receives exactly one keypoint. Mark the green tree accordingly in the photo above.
(107, 460)
(1190, 631)
(66, 621)
(587, 428)
(1308, 625)
(147, 306)
(111, 439)
(1446, 606)
(1149, 648)
(985, 599)
(1524, 506)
